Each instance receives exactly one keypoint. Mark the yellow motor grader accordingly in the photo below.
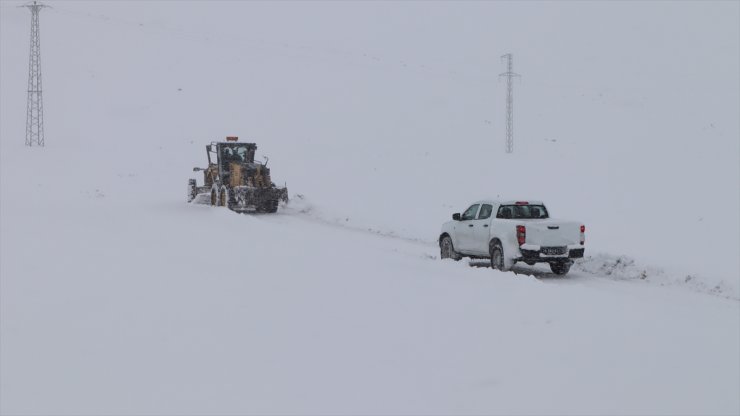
(234, 180)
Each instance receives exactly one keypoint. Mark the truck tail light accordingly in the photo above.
(583, 234)
(521, 234)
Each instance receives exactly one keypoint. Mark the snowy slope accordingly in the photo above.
(150, 307)
(116, 297)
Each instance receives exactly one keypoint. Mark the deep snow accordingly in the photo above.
(118, 297)
(155, 306)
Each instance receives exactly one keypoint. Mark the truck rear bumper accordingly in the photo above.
(532, 253)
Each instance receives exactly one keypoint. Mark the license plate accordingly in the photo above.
(553, 251)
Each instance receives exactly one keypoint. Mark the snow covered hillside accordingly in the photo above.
(117, 297)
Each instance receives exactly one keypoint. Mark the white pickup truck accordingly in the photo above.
(510, 231)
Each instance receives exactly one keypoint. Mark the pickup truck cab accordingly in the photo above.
(511, 231)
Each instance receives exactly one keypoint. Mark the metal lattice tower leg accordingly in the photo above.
(509, 74)
(35, 106)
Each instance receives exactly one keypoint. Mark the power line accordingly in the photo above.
(509, 74)
(350, 55)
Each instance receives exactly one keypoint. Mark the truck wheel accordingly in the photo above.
(191, 190)
(497, 257)
(446, 250)
(560, 267)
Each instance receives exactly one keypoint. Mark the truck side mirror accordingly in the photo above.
(456, 216)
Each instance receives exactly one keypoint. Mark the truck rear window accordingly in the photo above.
(522, 211)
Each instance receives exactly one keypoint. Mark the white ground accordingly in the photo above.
(117, 297)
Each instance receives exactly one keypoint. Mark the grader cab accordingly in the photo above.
(235, 180)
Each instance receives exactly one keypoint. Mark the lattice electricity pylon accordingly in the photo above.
(35, 105)
(509, 74)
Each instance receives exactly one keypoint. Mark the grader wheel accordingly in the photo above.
(222, 201)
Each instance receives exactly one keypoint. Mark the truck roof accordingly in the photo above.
(509, 201)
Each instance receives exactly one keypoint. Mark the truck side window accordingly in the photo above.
(485, 212)
(469, 214)
(504, 212)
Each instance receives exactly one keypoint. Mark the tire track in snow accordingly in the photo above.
(604, 266)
